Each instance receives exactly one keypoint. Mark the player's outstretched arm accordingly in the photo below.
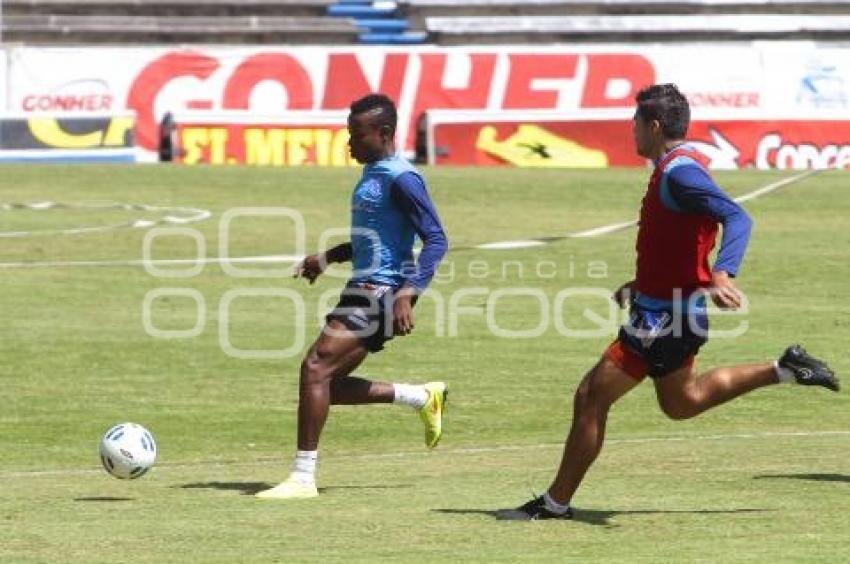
(312, 266)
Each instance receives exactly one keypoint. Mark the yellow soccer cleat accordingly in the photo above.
(431, 413)
(290, 489)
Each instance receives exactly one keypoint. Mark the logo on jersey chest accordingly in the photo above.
(367, 195)
(370, 189)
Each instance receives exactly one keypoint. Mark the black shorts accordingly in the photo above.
(367, 311)
(664, 340)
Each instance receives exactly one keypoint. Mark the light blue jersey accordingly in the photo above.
(381, 234)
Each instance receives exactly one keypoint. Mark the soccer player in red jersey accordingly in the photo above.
(678, 226)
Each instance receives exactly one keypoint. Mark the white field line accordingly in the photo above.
(775, 186)
(174, 215)
(500, 245)
(267, 259)
(497, 245)
(604, 230)
(614, 227)
(457, 451)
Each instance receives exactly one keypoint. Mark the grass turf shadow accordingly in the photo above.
(245, 488)
(251, 488)
(104, 498)
(595, 516)
(845, 478)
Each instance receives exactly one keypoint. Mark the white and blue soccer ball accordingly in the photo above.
(127, 451)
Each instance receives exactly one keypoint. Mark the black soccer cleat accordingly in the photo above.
(534, 510)
(808, 370)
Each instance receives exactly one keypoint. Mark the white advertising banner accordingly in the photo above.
(4, 84)
(789, 79)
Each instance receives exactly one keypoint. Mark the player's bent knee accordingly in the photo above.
(583, 395)
(677, 410)
(588, 397)
(314, 370)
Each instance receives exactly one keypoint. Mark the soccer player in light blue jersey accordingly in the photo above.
(390, 208)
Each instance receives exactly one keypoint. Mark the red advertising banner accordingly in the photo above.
(316, 79)
(607, 142)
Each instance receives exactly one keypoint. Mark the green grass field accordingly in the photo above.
(763, 479)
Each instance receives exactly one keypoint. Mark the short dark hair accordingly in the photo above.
(665, 103)
(387, 115)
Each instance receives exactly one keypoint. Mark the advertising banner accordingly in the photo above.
(548, 140)
(66, 137)
(296, 139)
(783, 79)
(4, 77)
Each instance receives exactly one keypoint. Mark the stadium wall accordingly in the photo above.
(782, 83)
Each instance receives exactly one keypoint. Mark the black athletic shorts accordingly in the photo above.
(367, 311)
(664, 340)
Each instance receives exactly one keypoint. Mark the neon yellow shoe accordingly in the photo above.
(431, 413)
(290, 489)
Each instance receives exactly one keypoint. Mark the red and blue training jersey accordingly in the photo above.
(678, 228)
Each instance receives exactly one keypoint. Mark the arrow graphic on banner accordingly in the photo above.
(722, 155)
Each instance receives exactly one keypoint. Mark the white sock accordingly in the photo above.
(554, 506)
(304, 469)
(783, 374)
(414, 396)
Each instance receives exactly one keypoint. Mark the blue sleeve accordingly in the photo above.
(409, 194)
(693, 191)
